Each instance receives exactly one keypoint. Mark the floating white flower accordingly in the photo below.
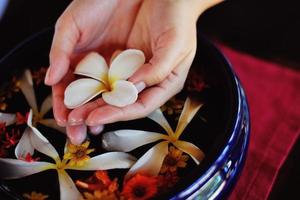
(35, 116)
(151, 162)
(14, 169)
(110, 81)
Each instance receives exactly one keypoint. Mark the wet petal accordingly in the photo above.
(67, 187)
(106, 161)
(159, 118)
(7, 118)
(190, 109)
(81, 91)
(151, 162)
(24, 146)
(123, 93)
(196, 154)
(127, 140)
(46, 106)
(126, 64)
(13, 168)
(93, 65)
(26, 86)
(52, 124)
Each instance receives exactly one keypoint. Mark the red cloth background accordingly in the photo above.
(273, 93)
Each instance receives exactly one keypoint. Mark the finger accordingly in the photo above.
(77, 134)
(96, 130)
(78, 115)
(166, 56)
(60, 111)
(64, 41)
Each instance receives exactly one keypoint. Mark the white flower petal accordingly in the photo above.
(106, 161)
(13, 168)
(46, 106)
(126, 64)
(123, 93)
(196, 154)
(81, 91)
(127, 140)
(151, 162)
(24, 146)
(29, 118)
(26, 86)
(93, 65)
(52, 124)
(67, 187)
(190, 109)
(41, 144)
(7, 118)
(159, 118)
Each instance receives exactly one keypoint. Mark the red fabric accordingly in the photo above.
(273, 94)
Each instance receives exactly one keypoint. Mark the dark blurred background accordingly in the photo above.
(264, 28)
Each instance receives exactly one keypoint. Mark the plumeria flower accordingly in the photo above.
(35, 116)
(26, 86)
(150, 163)
(14, 168)
(110, 81)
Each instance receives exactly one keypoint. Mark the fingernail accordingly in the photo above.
(47, 77)
(95, 130)
(77, 134)
(140, 86)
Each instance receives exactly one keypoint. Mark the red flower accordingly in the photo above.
(140, 187)
(21, 119)
(29, 158)
(11, 139)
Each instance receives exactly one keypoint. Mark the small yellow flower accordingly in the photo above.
(100, 195)
(78, 154)
(35, 196)
(173, 160)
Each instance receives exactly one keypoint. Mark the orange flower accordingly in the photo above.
(140, 187)
(99, 181)
(35, 196)
(3, 106)
(173, 160)
(100, 195)
(173, 106)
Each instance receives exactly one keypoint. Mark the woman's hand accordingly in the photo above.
(164, 30)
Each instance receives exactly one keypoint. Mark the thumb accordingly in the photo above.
(64, 41)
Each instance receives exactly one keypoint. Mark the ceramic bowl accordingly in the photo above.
(220, 129)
